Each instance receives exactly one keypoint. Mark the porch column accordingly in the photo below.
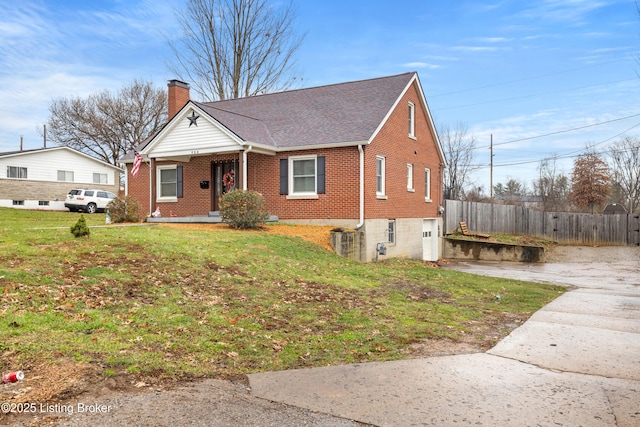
(152, 185)
(243, 169)
(239, 173)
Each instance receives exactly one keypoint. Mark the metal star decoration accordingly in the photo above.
(193, 118)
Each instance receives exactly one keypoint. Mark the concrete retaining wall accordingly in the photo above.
(491, 251)
(349, 244)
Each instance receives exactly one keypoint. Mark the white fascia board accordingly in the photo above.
(432, 125)
(63, 147)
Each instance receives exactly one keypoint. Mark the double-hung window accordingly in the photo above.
(427, 185)
(65, 176)
(16, 172)
(169, 183)
(303, 175)
(412, 123)
(380, 176)
(410, 177)
(100, 178)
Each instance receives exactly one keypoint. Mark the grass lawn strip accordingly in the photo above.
(145, 305)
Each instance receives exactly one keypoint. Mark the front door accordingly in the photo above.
(224, 178)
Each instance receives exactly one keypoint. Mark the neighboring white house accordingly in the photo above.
(41, 178)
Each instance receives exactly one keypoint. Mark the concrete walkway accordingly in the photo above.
(576, 362)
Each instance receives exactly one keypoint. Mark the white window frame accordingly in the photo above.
(100, 178)
(412, 120)
(67, 176)
(293, 194)
(410, 177)
(381, 192)
(160, 197)
(427, 185)
(19, 172)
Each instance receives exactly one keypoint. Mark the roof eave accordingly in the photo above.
(321, 146)
(62, 147)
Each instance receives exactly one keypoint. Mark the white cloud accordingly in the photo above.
(493, 40)
(572, 11)
(476, 48)
(424, 65)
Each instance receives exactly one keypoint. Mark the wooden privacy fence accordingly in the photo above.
(562, 227)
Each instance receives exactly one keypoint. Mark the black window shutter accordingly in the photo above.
(321, 174)
(284, 176)
(179, 182)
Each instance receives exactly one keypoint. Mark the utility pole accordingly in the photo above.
(491, 169)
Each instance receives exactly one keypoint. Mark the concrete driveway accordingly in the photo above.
(575, 362)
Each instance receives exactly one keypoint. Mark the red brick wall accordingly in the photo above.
(138, 186)
(340, 200)
(393, 142)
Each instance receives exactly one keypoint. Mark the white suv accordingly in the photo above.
(89, 201)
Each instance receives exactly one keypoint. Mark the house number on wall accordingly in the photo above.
(195, 152)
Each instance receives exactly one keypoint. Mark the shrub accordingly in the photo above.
(243, 209)
(124, 209)
(80, 228)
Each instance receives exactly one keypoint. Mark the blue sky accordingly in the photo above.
(513, 69)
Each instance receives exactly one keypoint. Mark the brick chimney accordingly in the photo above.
(178, 96)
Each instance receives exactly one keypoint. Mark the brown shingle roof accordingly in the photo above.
(339, 113)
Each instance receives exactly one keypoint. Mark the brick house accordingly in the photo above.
(363, 155)
(41, 178)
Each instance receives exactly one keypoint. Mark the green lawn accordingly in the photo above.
(165, 301)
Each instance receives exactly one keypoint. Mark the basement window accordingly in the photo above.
(391, 231)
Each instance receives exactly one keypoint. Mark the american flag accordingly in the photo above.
(137, 161)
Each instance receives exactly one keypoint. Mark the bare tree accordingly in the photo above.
(552, 187)
(476, 194)
(458, 149)
(235, 48)
(106, 126)
(590, 181)
(625, 158)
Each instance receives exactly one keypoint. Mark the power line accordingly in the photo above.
(565, 131)
(569, 155)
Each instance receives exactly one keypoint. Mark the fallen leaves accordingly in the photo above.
(317, 234)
